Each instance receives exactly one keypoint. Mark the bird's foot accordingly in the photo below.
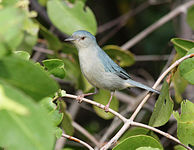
(106, 108)
(79, 98)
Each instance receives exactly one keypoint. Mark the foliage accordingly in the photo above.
(36, 65)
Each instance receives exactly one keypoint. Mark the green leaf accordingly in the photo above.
(59, 132)
(182, 46)
(11, 25)
(187, 68)
(103, 97)
(42, 2)
(190, 16)
(53, 110)
(73, 72)
(27, 43)
(123, 58)
(75, 17)
(8, 104)
(55, 67)
(23, 54)
(138, 131)
(28, 77)
(185, 127)
(30, 35)
(53, 42)
(179, 85)
(66, 123)
(163, 108)
(6, 3)
(23, 123)
(179, 147)
(4, 51)
(147, 148)
(134, 142)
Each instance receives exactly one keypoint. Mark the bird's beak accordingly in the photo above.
(69, 39)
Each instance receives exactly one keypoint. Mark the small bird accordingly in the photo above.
(99, 69)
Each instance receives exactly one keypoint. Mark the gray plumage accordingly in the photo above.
(98, 68)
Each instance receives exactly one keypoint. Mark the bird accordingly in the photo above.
(99, 69)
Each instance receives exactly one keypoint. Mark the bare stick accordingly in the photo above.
(86, 133)
(160, 22)
(98, 105)
(128, 122)
(77, 140)
(160, 132)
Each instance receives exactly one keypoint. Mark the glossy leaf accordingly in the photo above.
(28, 77)
(27, 43)
(30, 35)
(134, 142)
(55, 67)
(123, 58)
(59, 132)
(23, 120)
(163, 108)
(53, 111)
(185, 121)
(190, 16)
(179, 86)
(66, 123)
(23, 54)
(187, 68)
(138, 131)
(103, 97)
(11, 24)
(75, 17)
(182, 46)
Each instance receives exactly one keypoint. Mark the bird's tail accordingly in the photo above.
(142, 86)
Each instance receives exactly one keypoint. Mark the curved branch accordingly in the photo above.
(77, 140)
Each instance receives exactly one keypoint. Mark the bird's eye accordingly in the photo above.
(83, 37)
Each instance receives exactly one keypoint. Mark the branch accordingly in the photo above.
(98, 105)
(163, 20)
(86, 133)
(160, 132)
(128, 122)
(77, 140)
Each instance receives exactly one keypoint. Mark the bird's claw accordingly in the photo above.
(79, 98)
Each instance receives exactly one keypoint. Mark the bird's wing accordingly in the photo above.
(111, 66)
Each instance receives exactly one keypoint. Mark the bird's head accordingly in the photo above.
(82, 39)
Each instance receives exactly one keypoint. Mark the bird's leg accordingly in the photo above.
(107, 105)
(80, 97)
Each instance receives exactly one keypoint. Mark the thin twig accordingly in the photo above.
(160, 22)
(128, 122)
(86, 133)
(77, 140)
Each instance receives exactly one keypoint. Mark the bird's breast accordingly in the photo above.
(91, 66)
(93, 70)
